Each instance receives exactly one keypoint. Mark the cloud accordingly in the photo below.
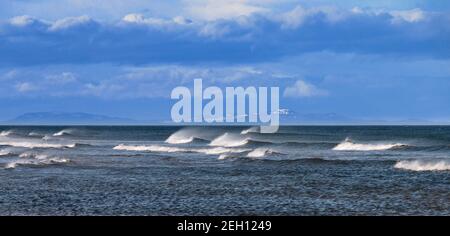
(21, 20)
(251, 37)
(303, 89)
(223, 9)
(414, 15)
(70, 22)
(25, 87)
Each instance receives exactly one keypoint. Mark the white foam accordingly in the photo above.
(224, 156)
(220, 150)
(30, 144)
(45, 161)
(33, 155)
(46, 137)
(34, 134)
(177, 139)
(187, 135)
(250, 130)
(348, 145)
(259, 152)
(422, 165)
(169, 149)
(229, 140)
(14, 164)
(4, 152)
(63, 132)
(150, 148)
(5, 133)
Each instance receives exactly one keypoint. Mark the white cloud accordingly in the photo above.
(223, 9)
(296, 17)
(62, 78)
(414, 15)
(69, 22)
(135, 18)
(303, 89)
(25, 87)
(22, 20)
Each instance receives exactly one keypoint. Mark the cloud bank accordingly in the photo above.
(253, 36)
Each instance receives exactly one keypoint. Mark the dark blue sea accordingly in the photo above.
(169, 170)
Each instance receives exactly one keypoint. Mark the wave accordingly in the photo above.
(177, 140)
(34, 134)
(221, 150)
(229, 140)
(33, 155)
(4, 152)
(6, 133)
(422, 165)
(188, 135)
(27, 144)
(348, 145)
(224, 156)
(262, 152)
(46, 161)
(150, 148)
(64, 132)
(169, 149)
(251, 130)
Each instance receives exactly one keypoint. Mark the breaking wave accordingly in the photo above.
(34, 134)
(4, 152)
(262, 152)
(150, 148)
(422, 165)
(188, 135)
(251, 130)
(28, 144)
(348, 145)
(6, 133)
(64, 132)
(159, 148)
(229, 140)
(37, 162)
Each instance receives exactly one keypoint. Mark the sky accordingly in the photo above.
(368, 60)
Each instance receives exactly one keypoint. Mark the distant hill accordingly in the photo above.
(77, 118)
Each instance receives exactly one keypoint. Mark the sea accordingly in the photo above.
(218, 170)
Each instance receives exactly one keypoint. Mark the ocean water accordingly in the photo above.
(169, 170)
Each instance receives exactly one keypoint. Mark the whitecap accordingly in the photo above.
(63, 132)
(187, 135)
(29, 144)
(423, 165)
(229, 140)
(348, 145)
(169, 149)
(149, 148)
(251, 130)
(6, 133)
(4, 152)
(42, 160)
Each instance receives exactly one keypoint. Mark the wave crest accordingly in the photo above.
(4, 152)
(229, 140)
(159, 148)
(251, 130)
(27, 144)
(348, 145)
(38, 160)
(422, 165)
(64, 132)
(261, 152)
(6, 133)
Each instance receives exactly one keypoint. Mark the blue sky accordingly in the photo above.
(373, 60)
